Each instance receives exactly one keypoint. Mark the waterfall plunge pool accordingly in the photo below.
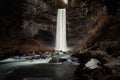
(27, 68)
(37, 72)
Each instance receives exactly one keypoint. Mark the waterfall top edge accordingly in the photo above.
(65, 1)
(62, 9)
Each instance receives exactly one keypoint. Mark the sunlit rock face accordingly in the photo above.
(34, 22)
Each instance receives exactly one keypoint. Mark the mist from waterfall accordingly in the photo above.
(61, 43)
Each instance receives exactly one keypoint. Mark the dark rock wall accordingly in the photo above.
(108, 39)
(27, 25)
(10, 23)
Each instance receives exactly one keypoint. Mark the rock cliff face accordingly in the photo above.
(29, 25)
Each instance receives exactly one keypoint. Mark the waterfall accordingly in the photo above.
(65, 1)
(61, 43)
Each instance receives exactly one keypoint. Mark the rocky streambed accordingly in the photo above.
(60, 66)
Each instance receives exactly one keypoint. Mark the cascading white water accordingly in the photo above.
(61, 43)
